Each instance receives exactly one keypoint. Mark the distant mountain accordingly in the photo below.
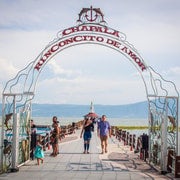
(136, 110)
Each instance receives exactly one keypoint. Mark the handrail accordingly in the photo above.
(46, 140)
(173, 164)
(139, 144)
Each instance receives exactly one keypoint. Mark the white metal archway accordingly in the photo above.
(91, 28)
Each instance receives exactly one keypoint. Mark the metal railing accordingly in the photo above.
(45, 139)
(138, 144)
(173, 164)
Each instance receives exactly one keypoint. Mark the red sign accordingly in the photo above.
(91, 34)
(91, 28)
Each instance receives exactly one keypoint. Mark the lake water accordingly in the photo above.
(112, 121)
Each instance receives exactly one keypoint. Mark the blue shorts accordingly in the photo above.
(87, 135)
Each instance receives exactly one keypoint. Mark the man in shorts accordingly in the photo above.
(103, 131)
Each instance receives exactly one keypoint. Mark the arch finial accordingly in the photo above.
(91, 15)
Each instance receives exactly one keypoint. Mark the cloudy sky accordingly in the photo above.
(85, 73)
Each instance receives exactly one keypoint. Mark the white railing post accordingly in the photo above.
(15, 138)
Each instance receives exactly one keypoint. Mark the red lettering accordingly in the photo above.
(100, 29)
(47, 54)
(124, 49)
(75, 29)
(37, 66)
(100, 39)
(110, 41)
(84, 28)
(137, 60)
(40, 63)
(54, 48)
(61, 43)
(42, 60)
(133, 56)
(116, 33)
(77, 38)
(68, 41)
(96, 28)
(143, 67)
(108, 31)
(67, 31)
(86, 38)
(140, 63)
(114, 43)
(91, 38)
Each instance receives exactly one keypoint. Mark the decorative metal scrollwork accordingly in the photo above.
(162, 104)
(91, 15)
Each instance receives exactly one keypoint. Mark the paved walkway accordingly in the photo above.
(72, 164)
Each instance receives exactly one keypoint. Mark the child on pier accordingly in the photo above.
(39, 154)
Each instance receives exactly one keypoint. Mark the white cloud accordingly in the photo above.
(8, 70)
(58, 70)
(173, 74)
(83, 89)
(21, 47)
(155, 38)
(174, 71)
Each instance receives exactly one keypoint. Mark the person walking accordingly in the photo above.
(38, 153)
(86, 132)
(103, 131)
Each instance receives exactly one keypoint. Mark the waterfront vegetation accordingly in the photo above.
(155, 128)
(133, 127)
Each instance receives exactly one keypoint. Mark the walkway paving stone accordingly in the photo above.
(72, 164)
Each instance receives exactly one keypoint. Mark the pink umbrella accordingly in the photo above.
(91, 114)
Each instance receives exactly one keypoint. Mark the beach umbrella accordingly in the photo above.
(91, 113)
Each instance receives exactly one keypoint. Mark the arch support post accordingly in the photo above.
(2, 135)
(15, 138)
(164, 142)
(178, 130)
(13, 131)
(163, 129)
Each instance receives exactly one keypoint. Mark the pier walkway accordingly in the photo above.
(72, 164)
